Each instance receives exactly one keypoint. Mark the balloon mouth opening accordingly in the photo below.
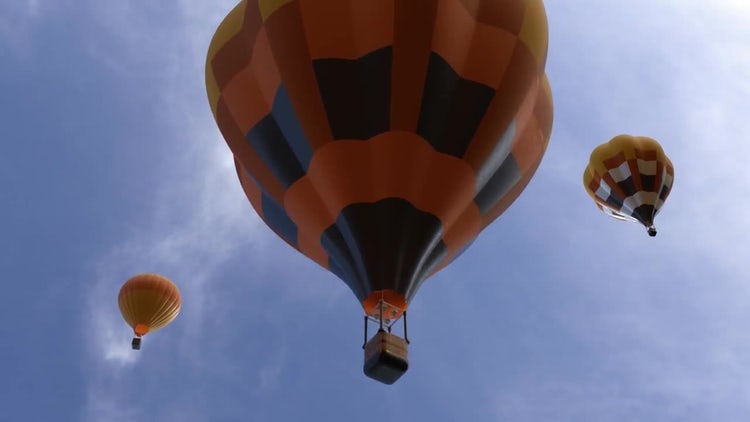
(395, 304)
(141, 330)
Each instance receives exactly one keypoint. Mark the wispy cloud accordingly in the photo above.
(18, 19)
(661, 320)
(683, 80)
(199, 217)
(108, 409)
(271, 372)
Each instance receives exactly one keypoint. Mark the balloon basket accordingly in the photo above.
(136, 343)
(386, 354)
(386, 357)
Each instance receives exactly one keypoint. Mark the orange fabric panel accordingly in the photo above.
(305, 207)
(388, 296)
(525, 114)
(141, 329)
(235, 54)
(648, 154)
(476, 51)
(413, 31)
(391, 165)
(347, 29)
(502, 14)
(634, 170)
(289, 44)
(466, 228)
(250, 93)
(544, 108)
(519, 78)
(529, 145)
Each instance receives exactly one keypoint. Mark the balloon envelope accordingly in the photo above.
(149, 302)
(379, 137)
(629, 178)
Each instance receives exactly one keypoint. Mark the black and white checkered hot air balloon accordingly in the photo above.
(629, 178)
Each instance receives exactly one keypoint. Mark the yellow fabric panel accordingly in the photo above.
(229, 27)
(534, 31)
(627, 145)
(267, 7)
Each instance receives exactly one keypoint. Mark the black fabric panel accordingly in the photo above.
(499, 184)
(664, 192)
(272, 147)
(278, 220)
(357, 94)
(644, 214)
(628, 186)
(614, 201)
(387, 244)
(452, 108)
(342, 263)
(648, 183)
(436, 257)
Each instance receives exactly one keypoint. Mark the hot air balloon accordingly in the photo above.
(629, 179)
(380, 137)
(148, 302)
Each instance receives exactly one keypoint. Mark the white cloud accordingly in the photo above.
(18, 20)
(200, 217)
(107, 409)
(660, 321)
(271, 371)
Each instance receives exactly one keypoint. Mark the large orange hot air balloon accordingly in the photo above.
(148, 302)
(379, 137)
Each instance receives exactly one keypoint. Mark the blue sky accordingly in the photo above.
(111, 165)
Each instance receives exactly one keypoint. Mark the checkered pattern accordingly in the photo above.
(630, 178)
(434, 113)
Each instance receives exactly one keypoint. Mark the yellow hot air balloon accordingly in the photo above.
(148, 302)
(629, 178)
